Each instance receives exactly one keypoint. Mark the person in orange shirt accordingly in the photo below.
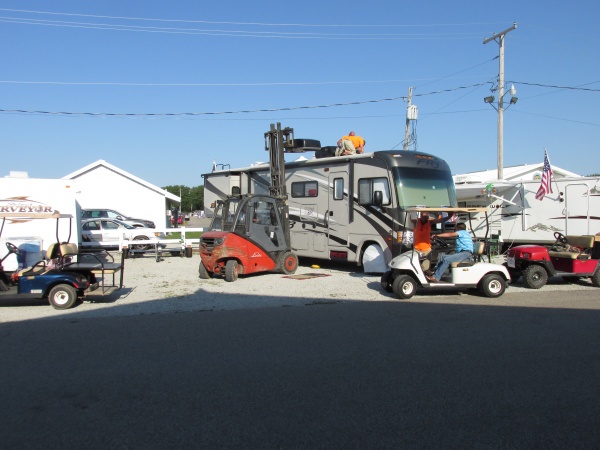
(422, 232)
(350, 145)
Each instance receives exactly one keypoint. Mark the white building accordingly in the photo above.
(103, 185)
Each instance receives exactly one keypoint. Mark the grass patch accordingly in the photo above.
(188, 235)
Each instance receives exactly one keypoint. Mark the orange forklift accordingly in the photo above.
(251, 233)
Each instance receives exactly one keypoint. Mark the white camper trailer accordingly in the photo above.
(347, 208)
(517, 217)
(32, 236)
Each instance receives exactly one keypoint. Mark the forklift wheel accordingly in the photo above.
(231, 270)
(202, 272)
(288, 263)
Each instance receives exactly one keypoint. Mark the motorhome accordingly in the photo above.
(347, 208)
(517, 217)
(21, 199)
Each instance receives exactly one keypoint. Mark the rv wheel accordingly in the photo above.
(231, 270)
(288, 263)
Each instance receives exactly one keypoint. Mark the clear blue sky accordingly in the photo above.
(158, 57)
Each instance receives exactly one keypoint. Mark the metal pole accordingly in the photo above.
(499, 38)
(407, 120)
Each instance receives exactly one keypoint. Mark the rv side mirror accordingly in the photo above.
(378, 198)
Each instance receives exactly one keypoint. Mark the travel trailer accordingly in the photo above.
(517, 217)
(347, 208)
(28, 197)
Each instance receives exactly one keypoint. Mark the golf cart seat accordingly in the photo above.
(478, 249)
(578, 247)
(44, 265)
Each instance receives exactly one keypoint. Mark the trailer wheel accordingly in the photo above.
(288, 263)
(231, 270)
(493, 285)
(202, 272)
(141, 247)
(62, 296)
(534, 276)
(386, 281)
(596, 277)
(405, 286)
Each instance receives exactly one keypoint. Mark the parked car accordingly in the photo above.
(111, 231)
(179, 220)
(112, 214)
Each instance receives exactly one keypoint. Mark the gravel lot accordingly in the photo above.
(172, 285)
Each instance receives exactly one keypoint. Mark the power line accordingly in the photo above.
(572, 88)
(246, 23)
(292, 108)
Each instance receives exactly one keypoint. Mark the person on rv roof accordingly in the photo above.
(350, 145)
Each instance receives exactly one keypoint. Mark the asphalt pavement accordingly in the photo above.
(331, 375)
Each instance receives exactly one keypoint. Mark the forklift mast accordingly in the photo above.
(275, 141)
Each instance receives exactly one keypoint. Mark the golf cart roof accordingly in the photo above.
(445, 209)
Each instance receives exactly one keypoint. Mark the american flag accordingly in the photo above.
(546, 186)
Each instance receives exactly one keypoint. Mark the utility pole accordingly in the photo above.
(499, 38)
(411, 114)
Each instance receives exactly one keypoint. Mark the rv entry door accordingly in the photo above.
(337, 212)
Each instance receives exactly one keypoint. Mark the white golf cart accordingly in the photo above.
(407, 270)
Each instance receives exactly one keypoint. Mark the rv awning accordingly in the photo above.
(444, 209)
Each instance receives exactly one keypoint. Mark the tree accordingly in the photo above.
(192, 199)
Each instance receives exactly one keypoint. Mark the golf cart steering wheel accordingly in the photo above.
(439, 242)
(12, 248)
(560, 237)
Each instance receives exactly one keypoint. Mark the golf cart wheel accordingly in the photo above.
(493, 285)
(405, 286)
(62, 296)
(288, 263)
(202, 272)
(141, 247)
(596, 277)
(231, 270)
(534, 277)
(386, 281)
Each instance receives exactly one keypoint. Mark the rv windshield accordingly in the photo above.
(424, 187)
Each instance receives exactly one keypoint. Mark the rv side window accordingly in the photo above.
(367, 186)
(338, 189)
(304, 189)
